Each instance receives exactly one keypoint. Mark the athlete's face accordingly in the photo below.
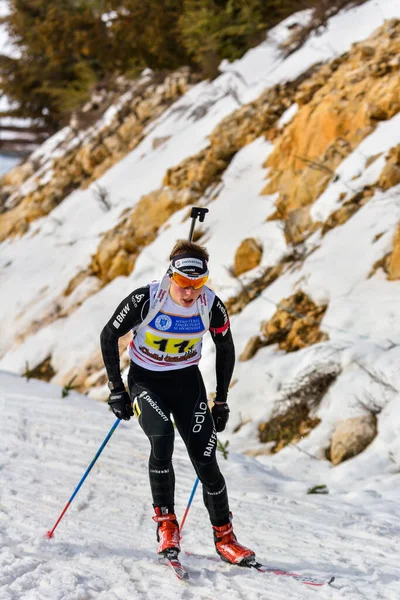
(183, 296)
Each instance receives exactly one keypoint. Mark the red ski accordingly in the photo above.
(254, 564)
(170, 558)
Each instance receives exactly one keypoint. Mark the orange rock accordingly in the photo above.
(344, 109)
(247, 256)
(394, 262)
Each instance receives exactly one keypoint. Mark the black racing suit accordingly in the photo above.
(158, 394)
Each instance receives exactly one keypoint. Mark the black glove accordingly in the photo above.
(220, 414)
(121, 404)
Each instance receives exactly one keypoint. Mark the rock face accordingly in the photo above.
(394, 260)
(43, 371)
(247, 256)
(117, 252)
(294, 416)
(234, 132)
(252, 347)
(351, 437)
(295, 325)
(236, 304)
(343, 101)
(390, 175)
(348, 209)
(83, 158)
(289, 428)
(298, 225)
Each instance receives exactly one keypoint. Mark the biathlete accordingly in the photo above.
(168, 319)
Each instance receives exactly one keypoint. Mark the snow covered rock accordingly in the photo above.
(351, 437)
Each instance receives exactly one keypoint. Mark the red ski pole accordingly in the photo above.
(196, 483)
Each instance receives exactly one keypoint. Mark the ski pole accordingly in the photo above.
(100, 450)
(194, 213)
(196, 483)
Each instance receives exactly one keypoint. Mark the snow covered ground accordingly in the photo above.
(104, 547)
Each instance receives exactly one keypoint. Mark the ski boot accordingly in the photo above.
(167, 530)
(228, 547)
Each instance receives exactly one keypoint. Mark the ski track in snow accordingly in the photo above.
(104, 547)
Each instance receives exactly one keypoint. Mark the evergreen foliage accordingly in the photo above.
(318, 489)
(223, 448)
(217, 29)
(62, 53)
(69, 387)
(67, 46)
(146, 34)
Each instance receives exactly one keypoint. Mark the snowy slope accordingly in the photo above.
(104, 547)
(61, 244)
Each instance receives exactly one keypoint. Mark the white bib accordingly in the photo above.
(171, 336)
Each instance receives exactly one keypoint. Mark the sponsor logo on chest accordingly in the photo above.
(176, 324)
(163, 322)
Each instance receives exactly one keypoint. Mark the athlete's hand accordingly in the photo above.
(220, 414)
(121, 404)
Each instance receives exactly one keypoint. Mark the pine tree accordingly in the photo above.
(67, 46)
(217, 29)
(59, 59)
(146, 34)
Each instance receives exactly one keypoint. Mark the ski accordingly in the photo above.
(315, 581)
(261, 568)
(170, 558)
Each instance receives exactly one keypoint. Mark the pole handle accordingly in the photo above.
(195, 213)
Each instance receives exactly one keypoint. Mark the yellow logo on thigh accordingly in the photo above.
(136, 409)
